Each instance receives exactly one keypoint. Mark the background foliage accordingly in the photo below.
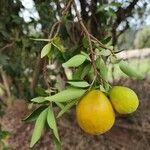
(25, 31)
(19, 55)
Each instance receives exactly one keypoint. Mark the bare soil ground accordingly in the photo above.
(131, 132)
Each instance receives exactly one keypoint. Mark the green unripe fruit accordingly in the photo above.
(123, 99)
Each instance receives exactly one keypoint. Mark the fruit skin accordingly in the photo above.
(123, 99)
(94, 113)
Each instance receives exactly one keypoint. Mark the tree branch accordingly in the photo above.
(7, 46)
(122, 15)
(84, 13)
(93, 21)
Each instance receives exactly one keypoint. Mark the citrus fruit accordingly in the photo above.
(94, 113)
(124, 100)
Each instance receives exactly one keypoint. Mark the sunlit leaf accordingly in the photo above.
(46, 49)
(130, 70)
(33, 116)
(79, 83)
(66, 108)
(60, 105)
(102, 68)
(85, 71)
(66, 95)
(57, 143)
(38, 99)
(39, 126)
(75, 61)
(52, 122)
(115, 60)
(85, 54)
(58, 44)
(105, 52)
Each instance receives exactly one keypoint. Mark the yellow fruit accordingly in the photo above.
(94, 113)
(124, 100)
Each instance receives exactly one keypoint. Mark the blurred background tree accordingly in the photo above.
(142, 38)
(108, 20)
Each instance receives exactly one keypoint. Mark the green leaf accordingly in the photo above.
(85, 54)
(102, 68)
(46, 40)
(59, 105)
(33, 116)
(39, 99)
(39, 126)
(107, 40)
(58, 44)
(79, 83)
(130, 70)
(105, 52)
(46, 49)
(75, 61)
(57, 143)
(85, 42)
(66, 95)
(86, 70)
(78, 72)
(66, 108)
(106, 86)
(115, 60)
(52, 122)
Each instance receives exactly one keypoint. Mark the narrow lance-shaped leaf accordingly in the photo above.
(60, 105)
(39, 126)
(34, 115)
(75, 61)
(103, 72)
(86, 70)
(58, 44)
(102, 68)
(105, 52)
(66, 108)
(66, 95)
(39, 99)
(52, 122)
(46, 49)
(57, 143)
(107, 40)
(77, 74)
(86, 55)
(115, 60)
(79, 83)
(129, 70)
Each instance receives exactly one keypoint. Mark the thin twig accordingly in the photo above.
(55, 28)
(89, 39)
(58, 23)
(45, 75)
(7, 46)
(101, 44)
(97, 74)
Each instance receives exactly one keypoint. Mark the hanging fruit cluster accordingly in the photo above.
(86, 85)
